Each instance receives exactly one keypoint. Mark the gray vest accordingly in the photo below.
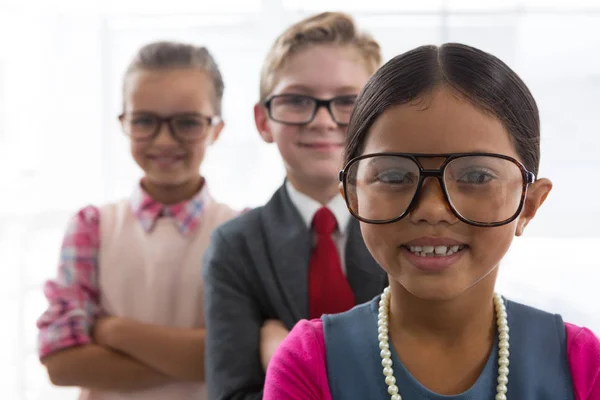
(538, 367)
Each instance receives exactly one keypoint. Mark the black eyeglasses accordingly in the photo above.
(482, 189)
(296, 109)
(184, 127)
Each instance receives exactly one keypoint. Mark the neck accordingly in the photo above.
(442, 321)
(171, 194)
(322, 191)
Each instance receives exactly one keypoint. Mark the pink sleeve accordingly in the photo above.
(73, 298)
(298, 370)
(583, 352)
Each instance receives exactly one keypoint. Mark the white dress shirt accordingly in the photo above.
(307, 207)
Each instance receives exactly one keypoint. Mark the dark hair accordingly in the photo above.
(171, 55)
(479, 77)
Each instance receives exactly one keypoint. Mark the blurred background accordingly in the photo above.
(61, 64)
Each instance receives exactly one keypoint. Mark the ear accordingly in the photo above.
(342, 191)
(215, 132)
(536, 195)
(261, 119)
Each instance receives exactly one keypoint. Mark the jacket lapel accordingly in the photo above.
(288, 243)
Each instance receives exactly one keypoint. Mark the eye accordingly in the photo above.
(395, 177)
(345, 101)
(142, 120)
(476, 177)
(294, 101)
(187, 122)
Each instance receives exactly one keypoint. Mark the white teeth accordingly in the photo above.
(441, 250)
(433, 251)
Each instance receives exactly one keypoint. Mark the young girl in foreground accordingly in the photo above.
(442, 162)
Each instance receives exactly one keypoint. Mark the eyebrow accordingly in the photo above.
(181, 113)
(303, 89)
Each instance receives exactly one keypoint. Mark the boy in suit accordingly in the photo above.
(300, 255)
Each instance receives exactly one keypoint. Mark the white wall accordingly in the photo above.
(61, 148)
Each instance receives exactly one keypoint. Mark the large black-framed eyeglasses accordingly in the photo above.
(184, 127)
(482, 189)
(296, 109)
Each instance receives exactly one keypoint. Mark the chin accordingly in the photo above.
(166, 179)
(433, 291)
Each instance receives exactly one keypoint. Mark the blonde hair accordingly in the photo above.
(329, 28)
(172, 55)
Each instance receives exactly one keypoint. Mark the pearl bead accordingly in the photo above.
(503, 361)
(386, 360)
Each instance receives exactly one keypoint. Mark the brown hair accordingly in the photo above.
(173, 55)
(329, 28)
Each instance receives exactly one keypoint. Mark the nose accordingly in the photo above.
(431, 206)
(323, 119)
(164, 136)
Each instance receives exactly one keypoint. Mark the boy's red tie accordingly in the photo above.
(329, 291)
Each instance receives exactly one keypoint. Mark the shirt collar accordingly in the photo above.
(307, 207)
(186, 214)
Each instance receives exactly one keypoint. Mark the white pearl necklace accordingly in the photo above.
(384, 345)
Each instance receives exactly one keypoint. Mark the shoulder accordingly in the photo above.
(245, 220)
(85, 220)
(298, 368)
(525, 312)
(89, 214)
(308, 336)
(359, 312)
(220, 212)
(583, 351)
(243, 226)
(225, 251)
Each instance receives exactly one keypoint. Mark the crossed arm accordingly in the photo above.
(79, 348)
(128, 355)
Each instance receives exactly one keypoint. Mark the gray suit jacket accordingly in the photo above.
(256, 268)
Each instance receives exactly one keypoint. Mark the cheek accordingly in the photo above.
(197, 153)
(381, 242)
(285, 138)
(491, 244)
(137, 151)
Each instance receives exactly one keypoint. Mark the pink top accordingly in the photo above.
(298, 370)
